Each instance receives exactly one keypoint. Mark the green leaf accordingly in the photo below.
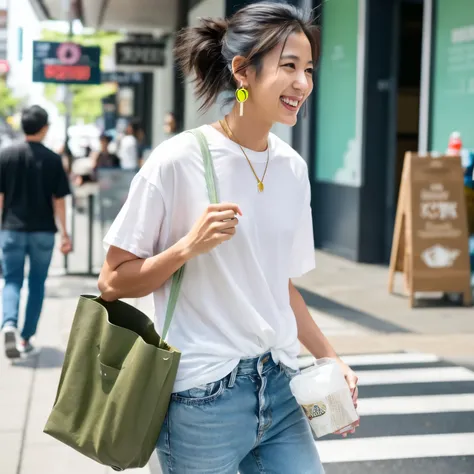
(9, 104)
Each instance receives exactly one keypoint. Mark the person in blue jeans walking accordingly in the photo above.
(239, 320)
(33, 185)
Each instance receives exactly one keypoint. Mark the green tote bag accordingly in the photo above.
(118, 374)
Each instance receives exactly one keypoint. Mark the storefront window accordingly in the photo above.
(452, 107)
(338, 148)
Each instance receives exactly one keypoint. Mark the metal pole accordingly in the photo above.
(426, 61)
(68, 101)
(91, 234)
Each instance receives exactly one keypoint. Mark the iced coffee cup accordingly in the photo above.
(324, 395)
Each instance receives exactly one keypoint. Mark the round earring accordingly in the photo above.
(241, 95)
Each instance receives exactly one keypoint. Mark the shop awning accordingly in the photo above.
(137, 16)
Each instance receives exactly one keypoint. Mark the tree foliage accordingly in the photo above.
(8, 103)
(86, 103)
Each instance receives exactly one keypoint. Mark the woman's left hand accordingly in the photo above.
(351, 379)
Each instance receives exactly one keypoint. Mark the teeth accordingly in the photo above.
(293, 103)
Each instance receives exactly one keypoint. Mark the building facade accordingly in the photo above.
(394, 76)
(24, 27)
(3, 30)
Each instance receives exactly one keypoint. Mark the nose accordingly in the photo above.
(302, 82)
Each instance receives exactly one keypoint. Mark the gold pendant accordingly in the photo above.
(260, 187)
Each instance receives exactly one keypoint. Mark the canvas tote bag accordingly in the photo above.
(118, 374)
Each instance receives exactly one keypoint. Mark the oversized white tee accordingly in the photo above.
(234, 301)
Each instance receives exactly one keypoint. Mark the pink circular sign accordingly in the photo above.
(69, 53)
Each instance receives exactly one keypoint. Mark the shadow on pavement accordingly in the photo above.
(70, 287)
(50, 358)
(47, 358)
(29, 363)
(434, 300)
(349, 314)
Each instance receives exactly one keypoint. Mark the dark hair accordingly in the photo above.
(106, 137)
(136, 124)
(33, 119)
(207, 50)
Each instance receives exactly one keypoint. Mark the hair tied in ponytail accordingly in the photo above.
(199, 53)
(206, 51)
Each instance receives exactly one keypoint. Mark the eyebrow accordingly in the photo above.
(293, 56)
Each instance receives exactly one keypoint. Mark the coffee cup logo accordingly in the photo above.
(315, 410)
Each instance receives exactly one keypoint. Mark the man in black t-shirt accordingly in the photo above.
(33, 185)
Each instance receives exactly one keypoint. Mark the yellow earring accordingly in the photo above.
(241, 94)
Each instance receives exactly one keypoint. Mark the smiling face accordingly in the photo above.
(284, 82)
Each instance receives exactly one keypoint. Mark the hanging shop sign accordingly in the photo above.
(140, 54)
(66, 63)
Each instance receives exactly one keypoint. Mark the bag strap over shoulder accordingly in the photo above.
(213, 198)
(208, 165)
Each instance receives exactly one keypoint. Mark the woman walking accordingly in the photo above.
(239, 320)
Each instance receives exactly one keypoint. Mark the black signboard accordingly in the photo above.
(66, 63)
(140, 54)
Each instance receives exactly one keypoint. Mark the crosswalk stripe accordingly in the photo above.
(396, 447)
(415, 389)
(396, 358)
(406, 376)
(379, 359)
(416, 405)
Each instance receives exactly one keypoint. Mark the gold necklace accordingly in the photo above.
(228, 131)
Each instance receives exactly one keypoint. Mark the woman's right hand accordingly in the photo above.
(216, 225)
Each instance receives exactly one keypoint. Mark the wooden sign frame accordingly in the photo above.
(403, 255)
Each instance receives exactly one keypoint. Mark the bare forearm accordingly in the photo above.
(309, 333)
(140, 277)
(60, 215)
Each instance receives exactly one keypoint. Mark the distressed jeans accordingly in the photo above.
(249, 422)
(16, 246)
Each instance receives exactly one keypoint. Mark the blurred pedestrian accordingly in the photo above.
(104, 158)
(129, 147)
(33, 187)
(170, 127)
(67, 157)
(238, 315)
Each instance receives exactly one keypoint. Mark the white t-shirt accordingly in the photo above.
(128, 153)
(234, 301)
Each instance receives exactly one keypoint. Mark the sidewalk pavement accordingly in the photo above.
(356, 295)
(349, 301)
(28, 389)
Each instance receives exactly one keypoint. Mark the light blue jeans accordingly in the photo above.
(16, 246)
(248, 422)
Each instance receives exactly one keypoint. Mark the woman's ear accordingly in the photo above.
(240, 75)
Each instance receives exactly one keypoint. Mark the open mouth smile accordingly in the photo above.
(291, 103)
